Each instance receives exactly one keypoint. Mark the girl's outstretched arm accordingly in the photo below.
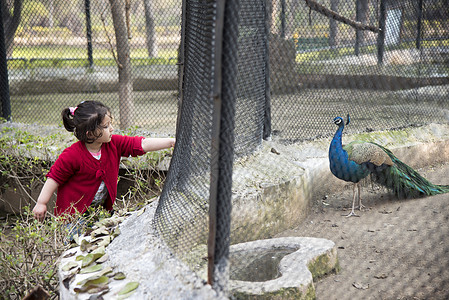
(154, 144)
(40, 209)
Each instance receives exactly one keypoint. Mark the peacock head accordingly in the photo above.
(340, 122)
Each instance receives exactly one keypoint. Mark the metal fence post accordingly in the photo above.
(267, 114)
(419, 25)
(4, 83)
(89, 33)
(381, 34)
(215, 145)
(222, 152)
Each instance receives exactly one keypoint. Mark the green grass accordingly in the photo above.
(73, 56)
(344, 51)
(30, 52)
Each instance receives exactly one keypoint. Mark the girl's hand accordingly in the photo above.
(39, 211)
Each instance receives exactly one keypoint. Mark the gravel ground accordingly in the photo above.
(395, 249)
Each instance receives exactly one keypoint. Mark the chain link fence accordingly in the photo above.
(299, 64)
(393, 78)
(64, 52)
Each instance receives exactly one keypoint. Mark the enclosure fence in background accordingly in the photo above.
(64, 52)
(296, 65)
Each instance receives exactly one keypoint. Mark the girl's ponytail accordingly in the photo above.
(85, 120)
(67, 119)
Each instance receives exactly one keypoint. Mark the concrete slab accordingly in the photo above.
(143, 258)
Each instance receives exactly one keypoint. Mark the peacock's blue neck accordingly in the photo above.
(336, 144)
(340, 164)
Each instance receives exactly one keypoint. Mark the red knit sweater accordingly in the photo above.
(79, 174)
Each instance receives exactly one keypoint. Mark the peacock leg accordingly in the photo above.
(361, 206)
(352, 213)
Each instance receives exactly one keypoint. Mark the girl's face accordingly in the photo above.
(107, 129)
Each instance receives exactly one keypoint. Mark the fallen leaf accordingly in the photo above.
(85, 246)
(76, 239)
(275, 151)
(96, 279)
(79, 257)
(101, 231)
(140, 212)
(128, 288)
(87, 260)
(69, 266)
(93, 286)
(91, 269)
(119, 276)
(102, 241)
(99, 252)
(98, 289)
(91, 257)
(116, 232)
(361, 286)
(105, 271)
(102, 259)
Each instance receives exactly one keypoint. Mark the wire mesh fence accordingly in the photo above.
(396, 82)
(299, 65)
(61, 53)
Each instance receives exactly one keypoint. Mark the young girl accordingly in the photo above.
(85, 174)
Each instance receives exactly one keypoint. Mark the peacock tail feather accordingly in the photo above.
(404, 180)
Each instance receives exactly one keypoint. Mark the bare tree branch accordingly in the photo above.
(128, 26)
(332, 14)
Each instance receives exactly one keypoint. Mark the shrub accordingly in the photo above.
(29, 251)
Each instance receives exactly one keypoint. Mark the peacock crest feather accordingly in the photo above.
(358, 159)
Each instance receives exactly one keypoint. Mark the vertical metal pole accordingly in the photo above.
(89, 33)
(4, 83)
(381, 34)
(215, 145)
(266, 135)
(419, 25)
(283, 19)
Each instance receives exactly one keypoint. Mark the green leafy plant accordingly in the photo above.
(30, 250)
(28, 254)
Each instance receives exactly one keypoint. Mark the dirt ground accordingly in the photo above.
(394, 249)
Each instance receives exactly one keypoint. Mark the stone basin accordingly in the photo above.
(289, 266)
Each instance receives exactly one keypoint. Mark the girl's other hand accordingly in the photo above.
(39, 211)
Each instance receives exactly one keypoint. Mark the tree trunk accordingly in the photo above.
(150, 28)
(362, 7)
(293, 10)
(11, 22)
(126, 104)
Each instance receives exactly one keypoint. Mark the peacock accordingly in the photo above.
(358, 159)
